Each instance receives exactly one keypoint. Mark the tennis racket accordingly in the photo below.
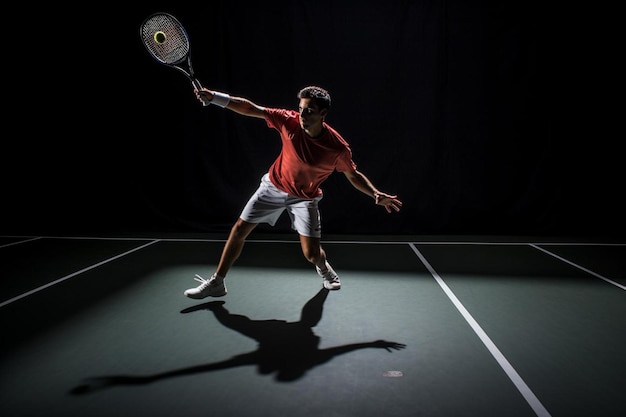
(167, 41)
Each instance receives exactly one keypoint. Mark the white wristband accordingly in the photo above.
(220, 99)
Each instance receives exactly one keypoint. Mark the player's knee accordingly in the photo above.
(241, 230)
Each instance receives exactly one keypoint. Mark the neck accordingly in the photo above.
(315, 131)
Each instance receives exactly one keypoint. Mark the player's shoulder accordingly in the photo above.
(279, 112)
(278, 118)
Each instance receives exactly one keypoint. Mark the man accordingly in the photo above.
(311, 151)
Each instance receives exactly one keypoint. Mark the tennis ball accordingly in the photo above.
(159, 37)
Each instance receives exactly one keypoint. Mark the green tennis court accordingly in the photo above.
(97, 326)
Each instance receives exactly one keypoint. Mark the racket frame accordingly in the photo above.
(184, 64)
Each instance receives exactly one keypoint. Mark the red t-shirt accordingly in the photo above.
(305, 162)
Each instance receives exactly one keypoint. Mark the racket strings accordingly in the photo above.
(172, 47)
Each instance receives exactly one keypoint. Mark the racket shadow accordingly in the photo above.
(287, 349)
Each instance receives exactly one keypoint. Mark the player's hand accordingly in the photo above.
(390, 202)
(205, 96)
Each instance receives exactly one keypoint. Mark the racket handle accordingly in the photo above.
(196, 84)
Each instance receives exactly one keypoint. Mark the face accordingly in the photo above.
(311, 117)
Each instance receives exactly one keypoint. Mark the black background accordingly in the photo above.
(484, 117)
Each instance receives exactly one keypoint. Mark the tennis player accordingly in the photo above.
(311, 151)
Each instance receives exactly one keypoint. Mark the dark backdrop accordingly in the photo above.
(484, 117)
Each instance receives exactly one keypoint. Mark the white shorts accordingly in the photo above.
(268, 203)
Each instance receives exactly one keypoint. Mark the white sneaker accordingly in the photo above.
(331, 279)
(212, 287)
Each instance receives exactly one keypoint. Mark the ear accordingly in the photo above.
(323, 112)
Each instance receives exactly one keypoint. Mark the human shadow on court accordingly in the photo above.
(288, 349)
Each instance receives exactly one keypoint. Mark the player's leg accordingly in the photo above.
(306, 220)
(214, 286)
(314, 253)
(264, 206)
(234, 245)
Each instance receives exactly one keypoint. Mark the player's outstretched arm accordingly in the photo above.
(237, 104)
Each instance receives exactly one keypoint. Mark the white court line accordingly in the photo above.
(74, 274)
(84, 237)
(517, 380)
(610, 281)
(21, 241)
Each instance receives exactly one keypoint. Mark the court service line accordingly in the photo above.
(26, 294)
(610, 281)
(517, 380)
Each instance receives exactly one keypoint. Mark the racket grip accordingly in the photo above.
(196, 84)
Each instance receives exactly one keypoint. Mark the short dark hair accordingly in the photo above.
(318, 94)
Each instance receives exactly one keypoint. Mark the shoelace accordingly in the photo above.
(329, 275)
(204, 282)
(331, 278)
